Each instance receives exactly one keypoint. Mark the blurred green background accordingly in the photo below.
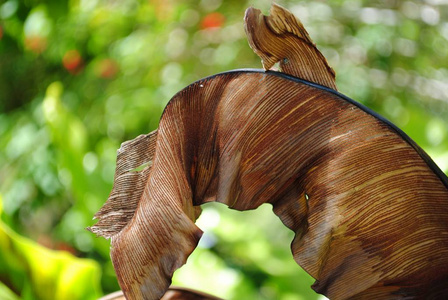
(79, 77)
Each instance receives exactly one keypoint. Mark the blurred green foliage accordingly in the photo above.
(79, 77)
(36, 272)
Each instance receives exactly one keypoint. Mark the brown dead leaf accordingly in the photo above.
(368, 206)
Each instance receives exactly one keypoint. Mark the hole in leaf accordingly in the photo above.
(276, 66)
(307, 199)
(243, 241)
(141, 167)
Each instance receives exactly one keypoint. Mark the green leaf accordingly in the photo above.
(41, 273)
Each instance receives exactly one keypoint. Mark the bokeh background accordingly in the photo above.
(79, 77)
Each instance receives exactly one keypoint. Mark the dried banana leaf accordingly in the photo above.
(367, 205)
(281, 38)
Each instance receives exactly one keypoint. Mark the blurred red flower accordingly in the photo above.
(72, 61)
(35, 43)
(213, 20)
(106, 68)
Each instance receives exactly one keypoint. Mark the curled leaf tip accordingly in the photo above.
(281, 37)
